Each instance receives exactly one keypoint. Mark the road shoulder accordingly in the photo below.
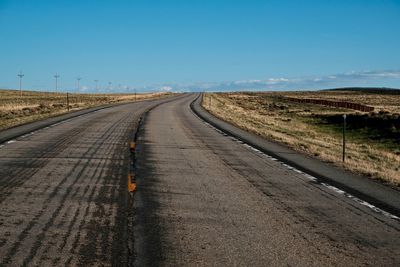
(377, 194)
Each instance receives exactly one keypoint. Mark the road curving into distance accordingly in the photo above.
(63, 195)
(205, 198)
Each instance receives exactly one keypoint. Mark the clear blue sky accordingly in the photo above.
(148, 43)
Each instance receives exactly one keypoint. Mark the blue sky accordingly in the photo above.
(191, 44)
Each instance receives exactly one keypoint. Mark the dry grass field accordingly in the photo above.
(32, 106)
(373, 139)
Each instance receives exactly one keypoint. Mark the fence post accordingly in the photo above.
(67, 102)
(344, 138)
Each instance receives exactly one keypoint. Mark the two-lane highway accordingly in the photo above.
(63, 198)
(205, 199)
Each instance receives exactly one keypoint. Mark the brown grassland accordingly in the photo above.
(32, 106)
(373, 139)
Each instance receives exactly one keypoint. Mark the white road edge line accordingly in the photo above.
(310, 177)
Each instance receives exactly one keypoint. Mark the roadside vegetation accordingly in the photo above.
(373, 138)
(32, 106)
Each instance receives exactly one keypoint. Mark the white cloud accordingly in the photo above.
(347, 79)
(166, 88)
(277, 80)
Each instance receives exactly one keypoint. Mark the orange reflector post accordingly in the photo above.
(131, 184)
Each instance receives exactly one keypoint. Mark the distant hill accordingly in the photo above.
(372, 90)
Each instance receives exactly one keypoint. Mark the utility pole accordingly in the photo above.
(96, 81)
(56, 76)
(135, 94)
(109, 86)
(78, 79)
(20, 75)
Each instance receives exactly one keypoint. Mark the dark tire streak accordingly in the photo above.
(48, 200)
(78, 202)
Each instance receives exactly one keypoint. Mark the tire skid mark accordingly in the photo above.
(113, 146)
(100, 175)
(94, 184)
(44, 152)
(60, 248)
(33, 222)
(90, 203)
(35, 218)
(104, 197)
(49, 223)
(94, 189)
(50, 152)
(43, 156)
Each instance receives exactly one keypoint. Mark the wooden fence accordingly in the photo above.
(339, 104)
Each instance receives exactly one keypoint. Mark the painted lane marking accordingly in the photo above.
(362, 202)
(308, 176)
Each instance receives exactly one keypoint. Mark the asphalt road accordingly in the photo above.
(206, 199)
(63, 190)
(203, 199)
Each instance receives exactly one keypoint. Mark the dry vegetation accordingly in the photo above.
(32, 106)
(373, 146)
